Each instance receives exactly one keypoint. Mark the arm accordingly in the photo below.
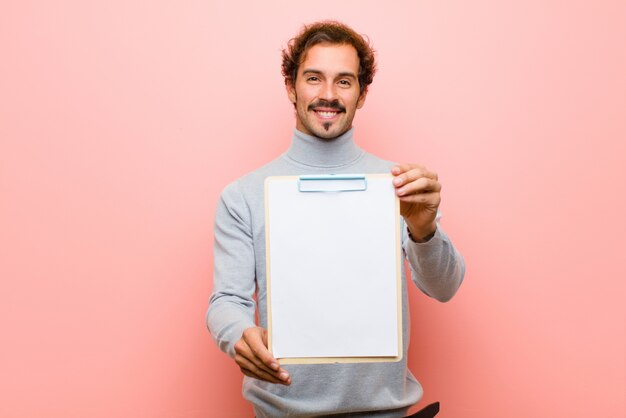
(437, 267)
(230, 317)
(231, 306)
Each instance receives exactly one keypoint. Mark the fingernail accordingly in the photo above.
(274, 366)
(397, 181)
(283, 376)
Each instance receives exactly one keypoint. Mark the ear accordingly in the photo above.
(361, 101)
(291, 92)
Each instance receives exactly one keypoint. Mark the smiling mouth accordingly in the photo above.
(325, 109)
(327, 114)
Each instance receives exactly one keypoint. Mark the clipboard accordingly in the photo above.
(333, 261)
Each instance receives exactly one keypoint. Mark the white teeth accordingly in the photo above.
(327, 114)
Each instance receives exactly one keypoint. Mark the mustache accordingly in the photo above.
(326, 104)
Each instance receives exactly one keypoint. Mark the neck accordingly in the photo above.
(311, 150)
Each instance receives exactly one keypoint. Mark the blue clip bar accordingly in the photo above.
(332, 183)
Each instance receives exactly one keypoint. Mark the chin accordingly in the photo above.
(329, 134)
(316, 128)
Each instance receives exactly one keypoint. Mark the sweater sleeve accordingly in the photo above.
(437, 268)
(231, 305)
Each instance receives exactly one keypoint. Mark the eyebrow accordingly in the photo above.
(340, 75)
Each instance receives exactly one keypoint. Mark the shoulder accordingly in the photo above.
(372, 163)
(249, 187)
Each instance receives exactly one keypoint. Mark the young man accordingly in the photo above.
(327, 70)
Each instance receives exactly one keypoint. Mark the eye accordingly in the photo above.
(312, 79)
(344, 83)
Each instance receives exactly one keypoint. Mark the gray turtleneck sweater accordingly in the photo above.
(355, 390)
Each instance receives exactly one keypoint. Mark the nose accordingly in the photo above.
(328, 92)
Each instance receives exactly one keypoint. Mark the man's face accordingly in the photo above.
(326, 92)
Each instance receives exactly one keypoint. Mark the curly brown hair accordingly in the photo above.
(333, 32)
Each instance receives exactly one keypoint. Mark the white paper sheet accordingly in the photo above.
(333, 270)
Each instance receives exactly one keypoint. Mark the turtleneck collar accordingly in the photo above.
(318, 152)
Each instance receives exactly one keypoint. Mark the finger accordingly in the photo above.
(412, 175)
(247, 373)
(250, 369)
(405, 168)
(401, 168)
(426, 199)
(243, 350)
(263, 375)
(419, 186)
(256, 338)
(282, 373)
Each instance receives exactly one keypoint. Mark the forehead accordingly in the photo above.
(331, 58)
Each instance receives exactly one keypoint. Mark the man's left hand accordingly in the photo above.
(418, 190)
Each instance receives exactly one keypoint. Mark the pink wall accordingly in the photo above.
(120, 122)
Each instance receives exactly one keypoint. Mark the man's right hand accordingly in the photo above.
(255, 360)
